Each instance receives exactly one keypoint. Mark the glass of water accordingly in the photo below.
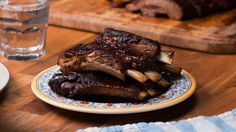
(23, 28)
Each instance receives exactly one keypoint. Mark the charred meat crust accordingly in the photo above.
(134, 51)
(73, 85)
(115, 64)
(112, 52)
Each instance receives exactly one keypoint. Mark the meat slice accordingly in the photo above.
(180, 9)
(74, 85)
(154, 7)
(120, 3)
(112, 52)
(91, 60)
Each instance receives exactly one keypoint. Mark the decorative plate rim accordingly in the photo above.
(85, 109)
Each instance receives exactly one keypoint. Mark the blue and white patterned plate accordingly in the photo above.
(180, 90)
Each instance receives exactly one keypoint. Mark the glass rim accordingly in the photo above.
(21, 7)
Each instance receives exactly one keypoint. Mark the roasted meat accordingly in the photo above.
(120, 3)
(179, 9)
(75, 85)
(117, 64)
(114, 52)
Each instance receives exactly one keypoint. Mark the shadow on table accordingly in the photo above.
(3, 94)
(167, 114)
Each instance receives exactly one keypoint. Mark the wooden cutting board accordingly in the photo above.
(214, 34)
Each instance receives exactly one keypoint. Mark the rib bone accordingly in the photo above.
(166, 57)
(164, 83)
(172, 68)
(153, 75)
(142, 95)
(137, 75)
(92, 62)
(101, 67)
(152, 92)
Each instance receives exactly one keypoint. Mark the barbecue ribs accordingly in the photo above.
(75, 85)
(116, 63)
(114, 52)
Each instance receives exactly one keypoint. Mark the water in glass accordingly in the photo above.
(23, 27)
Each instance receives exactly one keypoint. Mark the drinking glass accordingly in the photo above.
(23, 28)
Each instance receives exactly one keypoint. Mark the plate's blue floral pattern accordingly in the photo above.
(178, 88)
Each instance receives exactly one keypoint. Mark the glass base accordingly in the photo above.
(23, 56)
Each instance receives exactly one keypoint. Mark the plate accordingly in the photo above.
(4, 76)
(180, 90)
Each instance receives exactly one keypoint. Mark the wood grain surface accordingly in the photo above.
(215, 33)
(21, 110)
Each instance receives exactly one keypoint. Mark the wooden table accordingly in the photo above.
(21, 110)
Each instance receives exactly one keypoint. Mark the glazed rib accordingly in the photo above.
(112, 52)
(74, 85)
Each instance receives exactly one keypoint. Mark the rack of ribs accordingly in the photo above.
(75, 85)
(175, 9)
(132, 67)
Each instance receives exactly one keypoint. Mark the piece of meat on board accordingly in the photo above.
(120, 3)
(180, 9)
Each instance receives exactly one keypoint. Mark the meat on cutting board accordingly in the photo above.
(177, 9)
